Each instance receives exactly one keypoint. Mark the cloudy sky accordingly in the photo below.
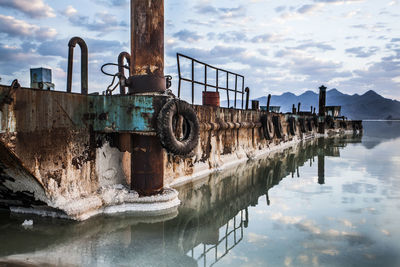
(280, 46)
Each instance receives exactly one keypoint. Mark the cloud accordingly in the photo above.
(362, 52)
(338, 1)
(266, 38)
(15, 58)
(104, 22)
(228, 37)
(95, 46)
(32, 8)
(70, 11)
(306, 9)
(222, 13)
(113, 3)
(187, 36)
(311, 44)
(279, 9)
(19, 28)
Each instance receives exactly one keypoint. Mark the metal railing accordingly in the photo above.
(236, 231)
(206, 84)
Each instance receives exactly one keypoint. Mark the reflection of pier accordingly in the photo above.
(231, 230)
(211, 221)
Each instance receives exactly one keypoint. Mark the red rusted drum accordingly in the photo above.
(211, 99)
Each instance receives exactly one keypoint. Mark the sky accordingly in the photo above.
(279, 46)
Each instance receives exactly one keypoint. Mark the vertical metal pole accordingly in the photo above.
(235, 89)
(192, 82)
(217, 80)
(147, 37)
(179, 75)
(205, 78)
(242, 91)
(147, 59)
(247, 97)
(268, 102)
(227, 87)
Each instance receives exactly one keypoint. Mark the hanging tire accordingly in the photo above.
(292, 126)
(278, 126)
(330, 123)
(302, 125)
(310, 124)
(268, 127)
(167, 120)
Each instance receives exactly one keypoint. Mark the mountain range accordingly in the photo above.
(367, 106)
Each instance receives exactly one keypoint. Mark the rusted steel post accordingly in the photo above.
(268, 102)
(147, 165)
(147, 76)
(294, 109)
(311, 109)
(147, 46)
(84, 64)
(121, 69)
(322, 100)
(298, 107)
(321, 111)
(247, 90)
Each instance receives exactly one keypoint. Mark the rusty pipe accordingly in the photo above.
(268, 102)
(247, 90)
(121, 69)
(84, 64)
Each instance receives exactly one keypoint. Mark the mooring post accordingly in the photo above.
(321, 111)
(147, 76)
(247, 90)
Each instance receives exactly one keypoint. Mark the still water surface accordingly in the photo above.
(328, 202)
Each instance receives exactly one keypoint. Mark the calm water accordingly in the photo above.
(332, 202)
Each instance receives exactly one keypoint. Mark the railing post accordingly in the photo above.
(247, 90)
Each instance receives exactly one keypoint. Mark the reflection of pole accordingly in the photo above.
(246, 222)
(267, 196)
(298, 172)
(321, 169)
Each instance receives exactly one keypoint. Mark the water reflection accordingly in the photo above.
(212, 220)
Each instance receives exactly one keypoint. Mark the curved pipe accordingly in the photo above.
(84, 64)
(121, 69)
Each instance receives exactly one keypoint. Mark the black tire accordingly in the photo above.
(310, 124)
(268, 127)
(330, 123)
(315, 119)
(165, 127)
(302, 125)
(292, 126)
(277, 126)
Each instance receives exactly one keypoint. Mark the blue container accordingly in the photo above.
(40, 75)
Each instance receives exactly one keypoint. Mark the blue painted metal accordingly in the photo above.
(41, 75)
(129, 113)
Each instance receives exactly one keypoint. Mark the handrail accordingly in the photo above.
(208, 85)
(84, 64)
(121, 69)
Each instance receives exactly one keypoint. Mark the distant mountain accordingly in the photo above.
(367, 106)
